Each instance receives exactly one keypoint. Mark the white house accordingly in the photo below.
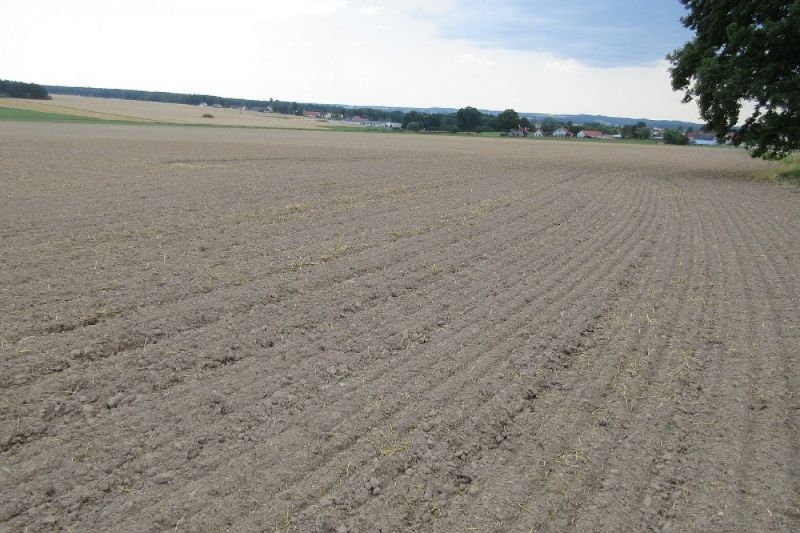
(561, 133)
(708, 139)
(538, 134)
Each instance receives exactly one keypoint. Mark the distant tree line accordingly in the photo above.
(339, 112)
(157, 96)
(470, 119)
(18, 89)
(466, 119)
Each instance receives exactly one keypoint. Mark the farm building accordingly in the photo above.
(538, 134)
(590, 134)
(561, 133)
(379, 124)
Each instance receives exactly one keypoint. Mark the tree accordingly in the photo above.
(524, 122)
(507, 120)
(628, 131)
(468, 118)
(744, 52)
(549, 125)
(433, 121)
(450, 122)
(642, 132)
(18, 89)
(675, 137)
(413, 116)
(636, 131)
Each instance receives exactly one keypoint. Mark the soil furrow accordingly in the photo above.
(484, 371)
(305, 331)
(332, 406)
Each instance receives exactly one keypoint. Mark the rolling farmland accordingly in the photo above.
(261, 330)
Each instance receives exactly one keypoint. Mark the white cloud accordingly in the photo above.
(565, 65)
(371, 10)
(472, 59)
(278, 49)
(323, 7)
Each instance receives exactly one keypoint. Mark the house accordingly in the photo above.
(590, 134)
(388, 125)
(562, 133)
(312, 114)
(538, 134)
(519, 132)
(707, 139)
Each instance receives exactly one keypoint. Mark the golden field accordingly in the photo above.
(133, 110)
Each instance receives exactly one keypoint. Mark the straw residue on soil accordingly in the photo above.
(278, 331)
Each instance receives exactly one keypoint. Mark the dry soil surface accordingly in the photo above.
(254, 330)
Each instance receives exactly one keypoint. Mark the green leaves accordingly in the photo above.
(507, 120)
(744, 52)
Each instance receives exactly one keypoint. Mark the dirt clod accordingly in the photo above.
(114, 400)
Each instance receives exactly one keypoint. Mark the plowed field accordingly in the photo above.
(253, 330)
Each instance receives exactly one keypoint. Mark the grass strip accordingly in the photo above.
(791, 172)
(28, 115)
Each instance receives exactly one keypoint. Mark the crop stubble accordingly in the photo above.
(260, 330)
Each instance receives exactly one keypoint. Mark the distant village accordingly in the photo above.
(355, 120)
(415, 121)
(656, 134)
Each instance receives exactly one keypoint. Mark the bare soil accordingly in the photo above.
(255, 330)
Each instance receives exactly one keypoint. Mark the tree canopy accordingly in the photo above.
(507, 120)
(744, 52)
(18, 89)
(468, 118)
(675, 137)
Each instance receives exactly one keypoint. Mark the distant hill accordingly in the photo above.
(373, 112)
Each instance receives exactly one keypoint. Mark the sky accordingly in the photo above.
(597, 57)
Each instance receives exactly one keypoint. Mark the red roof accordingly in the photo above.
(593, 133)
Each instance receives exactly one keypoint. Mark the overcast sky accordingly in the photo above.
(599, 57)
